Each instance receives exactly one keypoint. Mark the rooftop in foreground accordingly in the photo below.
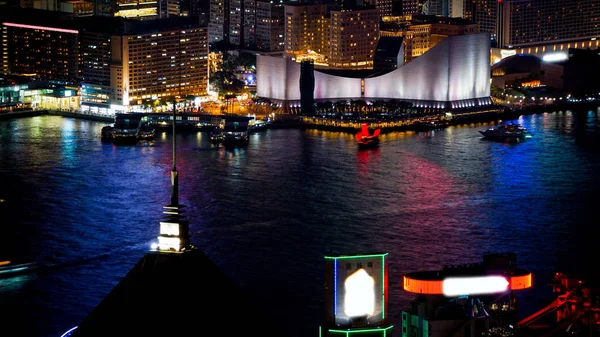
(174, 294)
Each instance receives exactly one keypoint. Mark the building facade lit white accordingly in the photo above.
(453, 74)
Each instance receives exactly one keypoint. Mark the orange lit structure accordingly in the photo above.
(421, 283)
(471, 297)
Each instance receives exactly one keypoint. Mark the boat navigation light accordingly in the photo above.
(154, 246)
(478, 285)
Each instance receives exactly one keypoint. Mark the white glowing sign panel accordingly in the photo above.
(168, 228)
(507, 52)
(359, 297)
(168, 243)
(554, 57)
(479, 285)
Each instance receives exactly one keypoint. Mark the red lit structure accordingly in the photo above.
(365, 139)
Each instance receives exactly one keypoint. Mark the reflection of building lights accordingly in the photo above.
(359, 299)
(474, 285)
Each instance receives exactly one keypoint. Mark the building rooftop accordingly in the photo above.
(175, 294)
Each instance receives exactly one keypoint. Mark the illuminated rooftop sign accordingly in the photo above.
(424, 283)
(52, 29)
(359, 297)
(478, 285)
(356, 291)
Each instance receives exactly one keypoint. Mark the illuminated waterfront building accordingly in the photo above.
(128, 63)
(454, 74)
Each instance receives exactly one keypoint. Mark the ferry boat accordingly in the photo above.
(146, 131)
(127, 127)
(217, 135)
(366, 140)
(507, 131)
(8, 269)
(236, 130)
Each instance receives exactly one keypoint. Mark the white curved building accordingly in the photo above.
(455, 73)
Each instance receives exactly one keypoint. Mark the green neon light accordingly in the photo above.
(320, 331)
(355, 256)
(353, 331)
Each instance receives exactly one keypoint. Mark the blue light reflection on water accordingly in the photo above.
(269, 212)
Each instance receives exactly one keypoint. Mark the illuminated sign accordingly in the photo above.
(554, 57)
(169, 228)
(478, 285)
(507, 52)
(356, 293)
(419, 283)
(52, 29)
(169, 243)
(360, 294)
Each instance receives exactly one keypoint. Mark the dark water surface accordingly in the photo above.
(268, 213)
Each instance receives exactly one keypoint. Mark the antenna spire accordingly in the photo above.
(174, 175)
(174, 230)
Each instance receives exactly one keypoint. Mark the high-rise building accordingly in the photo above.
(353, 35)
(427, 31)
(384, 6)
(412, 7)
(129, 62)
(45, 51)
(218, 27)
(436, 7)
(236, 22)
(270, 26)
(249, 23)
(484, 13)
(306, 29)
(530, 22)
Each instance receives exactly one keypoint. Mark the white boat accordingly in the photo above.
(507, 131)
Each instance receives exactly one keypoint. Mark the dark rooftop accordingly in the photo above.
(175, 294)
(388, 46)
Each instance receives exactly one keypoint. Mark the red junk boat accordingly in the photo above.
(366, 140)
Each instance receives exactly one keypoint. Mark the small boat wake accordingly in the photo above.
(9, 269)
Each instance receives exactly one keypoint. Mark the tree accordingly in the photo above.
(226, 82)
(247, 61)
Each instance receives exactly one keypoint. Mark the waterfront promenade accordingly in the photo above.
(418, 121)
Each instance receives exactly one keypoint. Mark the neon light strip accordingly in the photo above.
(353, 331)
(68, 333)
(355, 256)
(383, 287)
(40, 27)
(335, 288)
